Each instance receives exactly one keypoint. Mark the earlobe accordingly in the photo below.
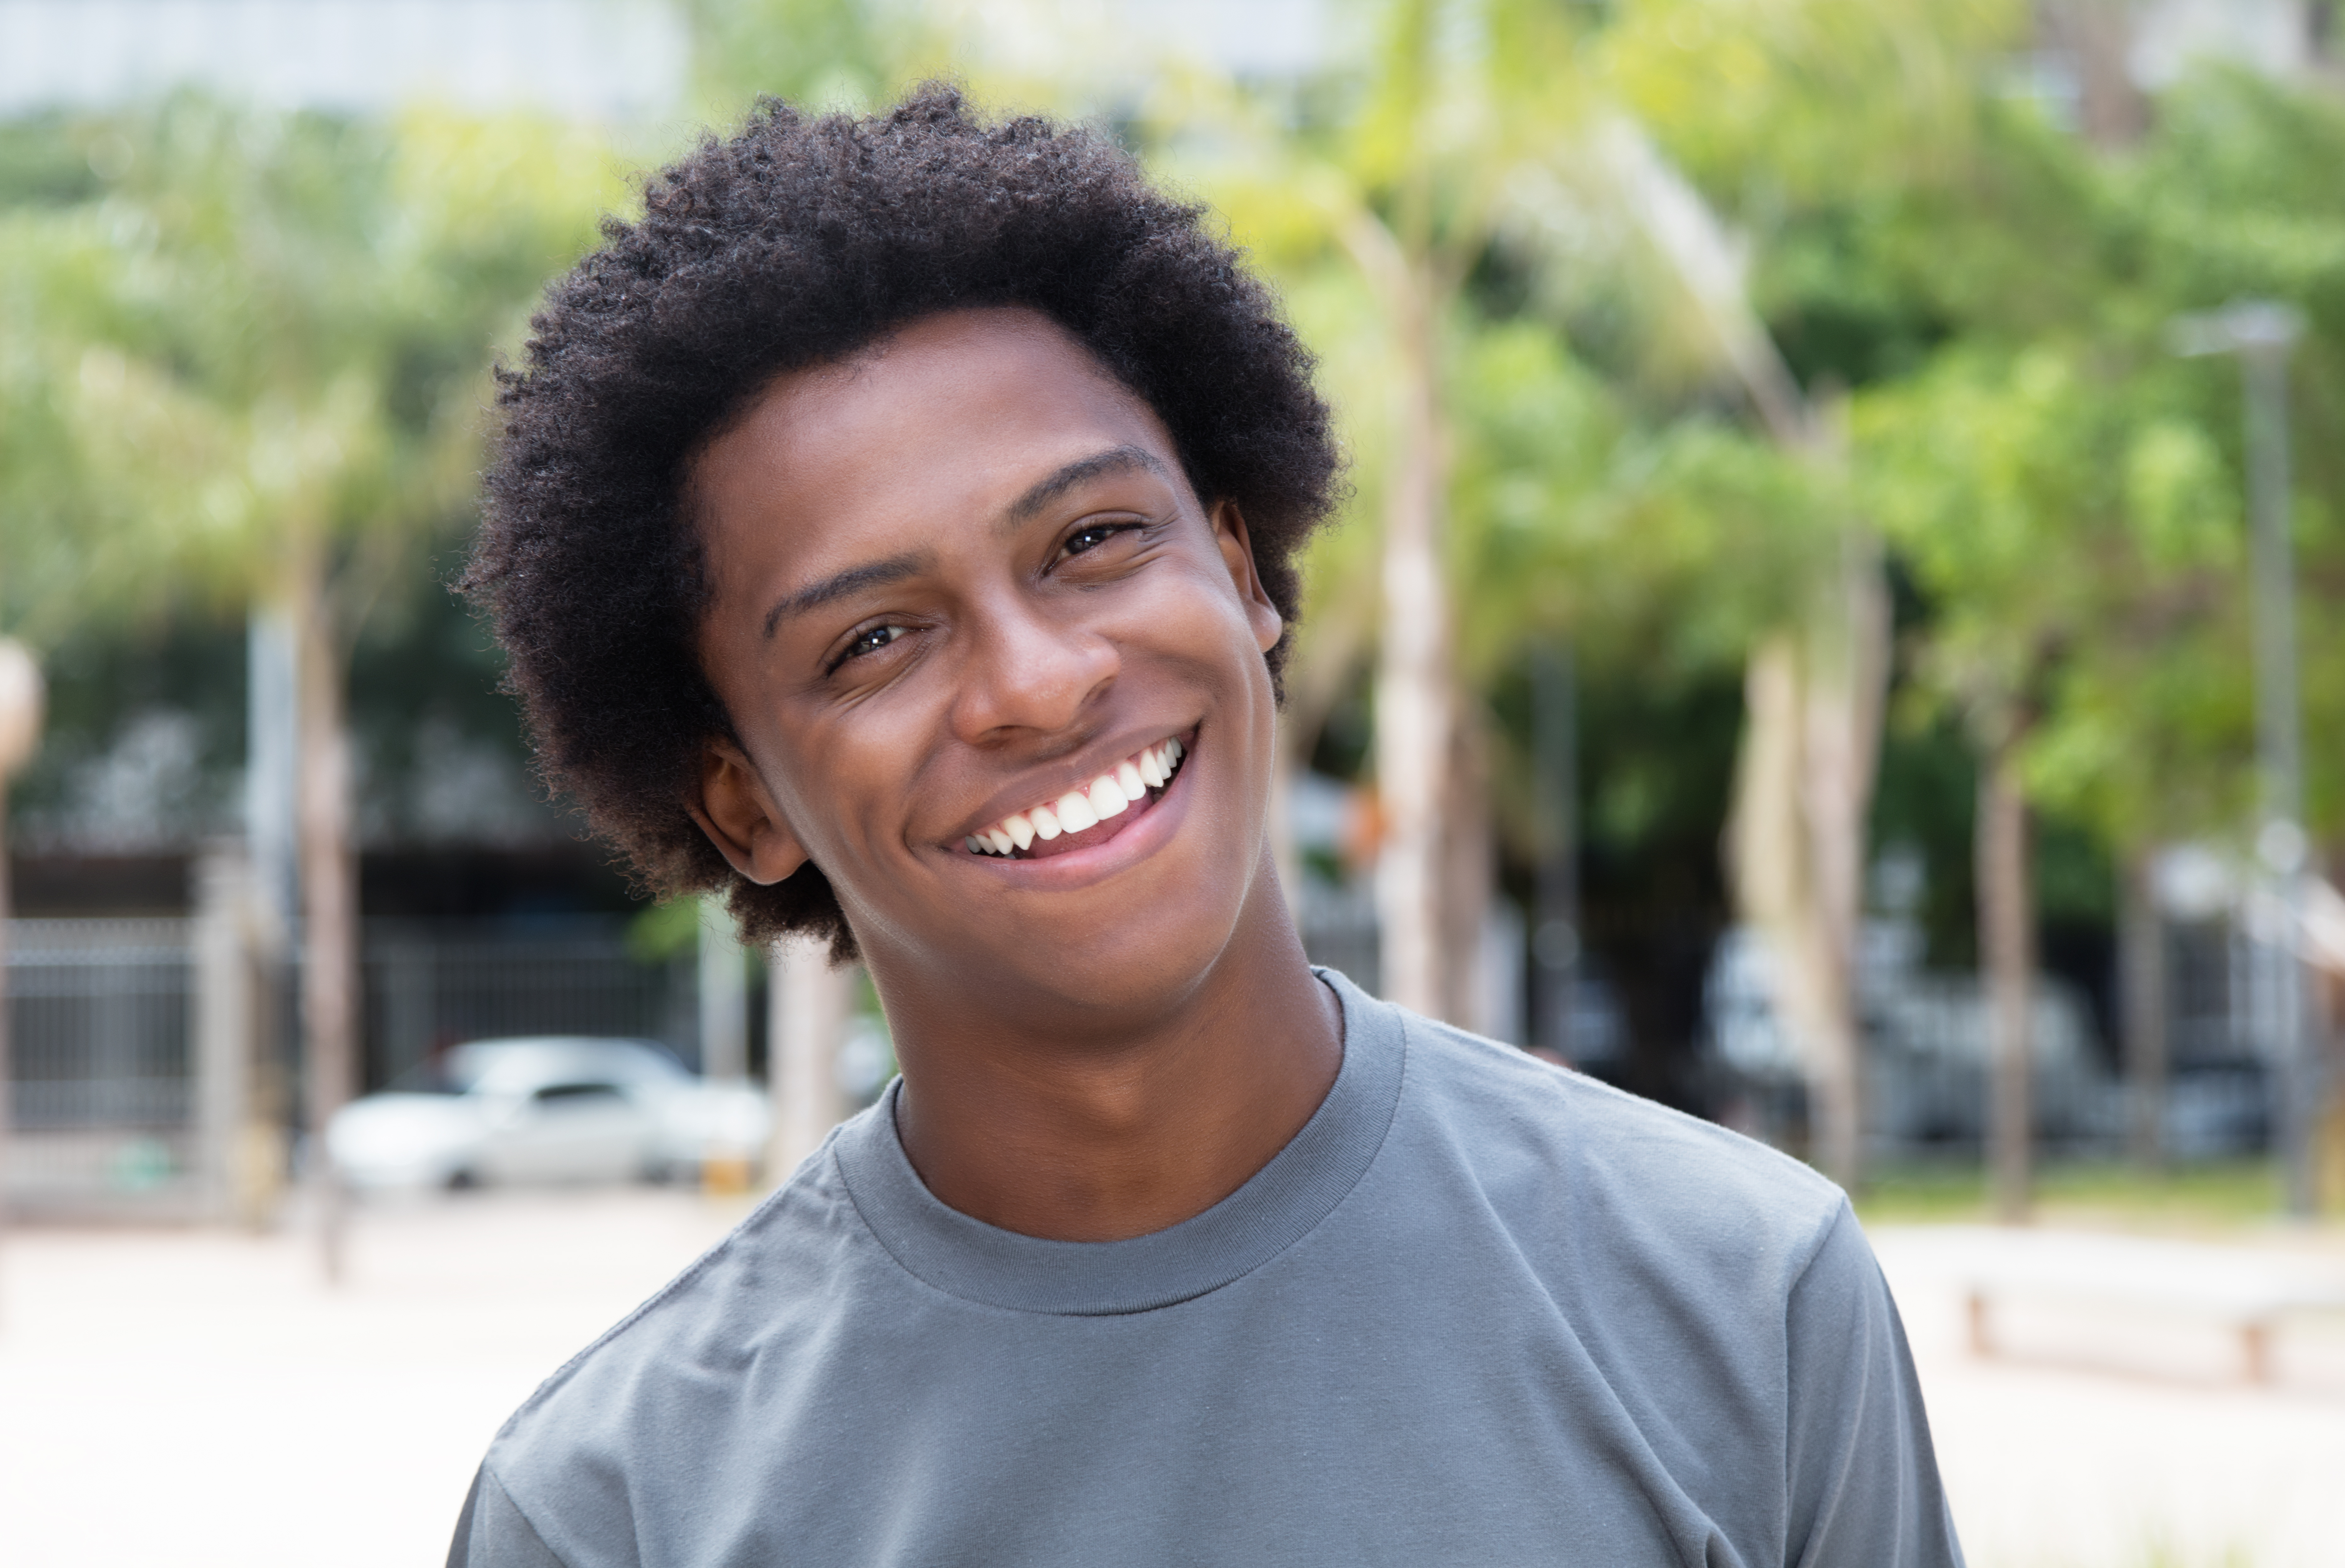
(1237, 555)
(739, 817)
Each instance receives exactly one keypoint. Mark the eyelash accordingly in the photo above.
(1106, 531)
(855, 647)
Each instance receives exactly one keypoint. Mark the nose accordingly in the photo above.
(1029, 671)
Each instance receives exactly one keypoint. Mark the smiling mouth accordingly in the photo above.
(1054, 826)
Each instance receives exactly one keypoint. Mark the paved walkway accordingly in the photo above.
(200, 1399)
(2106, 1436)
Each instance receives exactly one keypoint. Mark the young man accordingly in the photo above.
(895, 527)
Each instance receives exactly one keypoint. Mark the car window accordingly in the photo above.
(578, 1095)
(441, 1074)
(524, 1066)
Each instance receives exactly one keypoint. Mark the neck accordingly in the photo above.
(1104, 1139)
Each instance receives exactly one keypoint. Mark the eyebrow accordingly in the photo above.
(853, 580)
(896, 568)
(1115, 460)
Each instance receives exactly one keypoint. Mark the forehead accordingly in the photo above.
(953, 415)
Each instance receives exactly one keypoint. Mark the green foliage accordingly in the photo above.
(244, 327)
(1597, 492)
(2189, 1199)
(218, 326)
(818, 55)
(1925, 795)
(1665, 544)
(1778, 105)
(2065, 493)
(661, 931)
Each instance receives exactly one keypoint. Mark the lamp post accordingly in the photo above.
(22, 700)
(1555, 936)
(2260, 334)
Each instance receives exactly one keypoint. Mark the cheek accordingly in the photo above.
(834, 779)
(1197, 619)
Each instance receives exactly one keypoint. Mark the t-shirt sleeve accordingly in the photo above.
(493, 1534)
(1863, 1480)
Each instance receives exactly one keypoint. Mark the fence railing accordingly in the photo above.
(430, 985)
(148, 1058)
(1926, 1047)
(101, 1081)
(98, 1018)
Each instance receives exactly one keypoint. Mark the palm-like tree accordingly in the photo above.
(253, 355)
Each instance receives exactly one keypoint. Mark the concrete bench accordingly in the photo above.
(2248, 1292)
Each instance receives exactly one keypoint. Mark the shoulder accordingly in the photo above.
(1561, 1156)
(675, 1364)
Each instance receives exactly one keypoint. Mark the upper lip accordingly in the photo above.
(1046, 784)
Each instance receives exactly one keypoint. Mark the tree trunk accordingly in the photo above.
(1796, 840)
(2141, 962)
(1467, 871)
(1324, 656)
(7, 1064)
(1554, 771)
(2097, 36)
(23, 700)
(724, 996)
(1847, 682)
(1415, 720)
(1778, 870)
(808, 1001)
(2007, 951)
(329, 871)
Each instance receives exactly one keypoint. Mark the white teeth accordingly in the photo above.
(1113, 792)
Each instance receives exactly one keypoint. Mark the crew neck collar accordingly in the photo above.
(1277, 1207)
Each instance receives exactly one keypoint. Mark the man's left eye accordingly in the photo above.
(1084, 540)
(871, 641)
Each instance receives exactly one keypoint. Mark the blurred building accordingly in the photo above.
(151, 840)
(1926, 1031)
(602, 59)
(2097, 63)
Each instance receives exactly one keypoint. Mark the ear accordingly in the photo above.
(1237, 555)
(740, 818)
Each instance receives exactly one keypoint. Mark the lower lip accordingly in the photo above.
(1147, 827)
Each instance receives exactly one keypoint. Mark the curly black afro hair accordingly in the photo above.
(797, 243)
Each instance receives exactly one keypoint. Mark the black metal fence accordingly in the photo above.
(430, 985)
(101, 1086)
(108, 1076)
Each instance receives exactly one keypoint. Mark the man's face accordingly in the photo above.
(957, 582)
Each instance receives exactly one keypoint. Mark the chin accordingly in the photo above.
(1148, 949)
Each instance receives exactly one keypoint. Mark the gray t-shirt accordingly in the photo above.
(1480, 1310)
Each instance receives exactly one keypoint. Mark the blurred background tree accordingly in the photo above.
(1562, 434)
(1447, 217)
(1687, 336)
(249, 357)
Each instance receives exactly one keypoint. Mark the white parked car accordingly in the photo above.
(557, 1109)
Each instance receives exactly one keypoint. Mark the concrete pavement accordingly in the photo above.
(201, 1398)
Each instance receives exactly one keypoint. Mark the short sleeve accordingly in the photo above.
(1862, 1477)
(493, 1534)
